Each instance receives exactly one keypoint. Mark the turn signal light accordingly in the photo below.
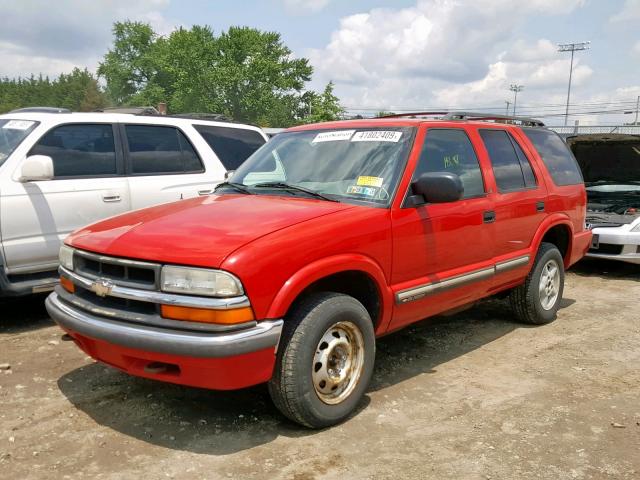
(223, 317)
(67, 284)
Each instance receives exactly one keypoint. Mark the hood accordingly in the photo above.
(613, 158)
(199, 232)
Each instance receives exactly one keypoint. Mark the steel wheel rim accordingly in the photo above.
(338, 362)
(549, 287)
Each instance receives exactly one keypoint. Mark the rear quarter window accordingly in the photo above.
(557, 157)
(232, 145)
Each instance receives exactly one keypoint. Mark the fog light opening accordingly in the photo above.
(159, 368)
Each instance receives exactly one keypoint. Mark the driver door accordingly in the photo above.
(443, 253)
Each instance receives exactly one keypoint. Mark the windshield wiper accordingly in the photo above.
(288, 186)
(238, 187)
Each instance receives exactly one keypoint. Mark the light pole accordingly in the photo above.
(571, 47)
(507, 110)
(515, 88)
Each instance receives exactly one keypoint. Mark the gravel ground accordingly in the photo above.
(471, 396)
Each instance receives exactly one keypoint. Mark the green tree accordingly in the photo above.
(243, 73)
(78, 91)
(323, 107)
(129, 65)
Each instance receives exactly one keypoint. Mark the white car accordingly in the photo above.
(60, 171)
(616, 236)
(610, 165)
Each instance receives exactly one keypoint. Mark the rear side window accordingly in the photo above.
(232, 145)
(557, 157)
(450, 150)
(79, 150)
(159, 149)
(527, 171)
(510, 167)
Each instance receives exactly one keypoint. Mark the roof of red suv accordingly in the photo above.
(395, 122)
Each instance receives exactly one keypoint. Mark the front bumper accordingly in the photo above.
(616, 243)
(227, 360)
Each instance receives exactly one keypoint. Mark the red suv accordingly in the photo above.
(329, 236)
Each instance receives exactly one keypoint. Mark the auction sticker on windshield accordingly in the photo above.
(18, 124)
(377, 136)
(370, 181)
(333, 136)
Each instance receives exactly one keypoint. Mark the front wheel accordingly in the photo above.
(537, 300)
(325, 360)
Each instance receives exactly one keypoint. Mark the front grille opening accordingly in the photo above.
(607, 248)
(113, 271)
(141, 275)
(90, 266)
(115, 303)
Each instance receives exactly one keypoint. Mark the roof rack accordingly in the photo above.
(41, 110)
(131, 110)
(215, 117)
(524, 121)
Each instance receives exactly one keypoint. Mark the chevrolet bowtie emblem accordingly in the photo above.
(102, 287)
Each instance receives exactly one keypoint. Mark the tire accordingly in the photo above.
(322, 329)
(528, 302)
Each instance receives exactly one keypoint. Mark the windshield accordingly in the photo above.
(12, 132)
(352, 165)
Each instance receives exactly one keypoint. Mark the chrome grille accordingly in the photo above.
(120, 271)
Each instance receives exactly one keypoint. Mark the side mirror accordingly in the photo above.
(437, 187)
(35, 168)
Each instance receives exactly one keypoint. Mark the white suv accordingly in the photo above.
(60, 171)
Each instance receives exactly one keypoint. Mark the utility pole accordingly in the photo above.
(508, 103)
(571, 47)
(515, 88)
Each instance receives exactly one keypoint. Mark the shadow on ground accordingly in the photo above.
(606, 269)
(221, 423)
(23, 314)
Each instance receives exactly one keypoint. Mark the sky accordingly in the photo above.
(392, 55)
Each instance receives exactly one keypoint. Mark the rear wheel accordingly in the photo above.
(325, 360)
(538, 299)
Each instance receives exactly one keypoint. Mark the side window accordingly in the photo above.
(79, 150)
(159, 149)
(527, 171)
(557, 157)
(232, 145)
(450, 150)
(505, 162)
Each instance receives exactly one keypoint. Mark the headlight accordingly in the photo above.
(636, 228)
(66, 257)
(200, 281)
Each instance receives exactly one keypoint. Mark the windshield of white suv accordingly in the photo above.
(354, 165)
(12, 133)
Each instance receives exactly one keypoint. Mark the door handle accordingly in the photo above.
(205, 192)
(540, 206)
(489, 216)
(111, 198)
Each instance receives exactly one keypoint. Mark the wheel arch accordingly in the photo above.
(352, 274)
(557, 230)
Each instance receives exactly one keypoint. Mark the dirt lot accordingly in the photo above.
(469, 396)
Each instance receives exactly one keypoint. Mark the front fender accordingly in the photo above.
(328, 266)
